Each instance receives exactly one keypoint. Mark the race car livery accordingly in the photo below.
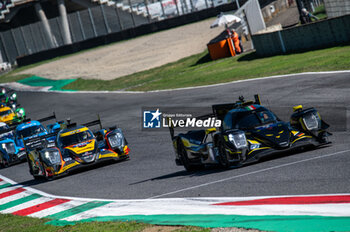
(33, 128)
(11, 138)
(10, 153)
(8, 98)
(11, 117)
(249, 131)
(76, 146)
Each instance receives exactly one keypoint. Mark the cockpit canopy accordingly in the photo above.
(247, 118)
(30, 131)
(69, 138)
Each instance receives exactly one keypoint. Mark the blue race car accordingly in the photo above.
(34, 128)
(9, 152)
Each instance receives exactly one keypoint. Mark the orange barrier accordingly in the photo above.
(221, 49)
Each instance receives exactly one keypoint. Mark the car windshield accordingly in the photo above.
(75, 138)
(253, 119)
(30, 131)
(3, 128)
(4, 132)
(6, 112)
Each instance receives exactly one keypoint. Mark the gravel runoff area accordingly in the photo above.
(134, 55)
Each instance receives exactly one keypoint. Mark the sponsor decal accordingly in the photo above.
(251, 107)
(152, 119)
(192, 122)
(177, 117)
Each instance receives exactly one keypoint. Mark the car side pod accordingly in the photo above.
(310, 122)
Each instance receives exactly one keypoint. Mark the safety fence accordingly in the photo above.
(319, 34)
(95, 22)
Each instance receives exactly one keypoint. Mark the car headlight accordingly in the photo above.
(13, 97)
(116, 140)
(238, 139)
(20, 113)
(53, 156)
(311, 121)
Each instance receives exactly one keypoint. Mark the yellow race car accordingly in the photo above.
(8, 116)
(74, 147)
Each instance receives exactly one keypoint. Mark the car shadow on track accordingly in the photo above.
(207, 171)
(217, 169)
(34, 182)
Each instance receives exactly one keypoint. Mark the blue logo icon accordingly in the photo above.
(151, 119)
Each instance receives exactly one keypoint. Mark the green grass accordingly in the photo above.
(11, 223)
(199, 70)
(320, 12)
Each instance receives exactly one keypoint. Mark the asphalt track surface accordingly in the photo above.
(151, 172)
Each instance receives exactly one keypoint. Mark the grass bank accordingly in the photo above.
(13, 223)
(199, 70)
(320, 12)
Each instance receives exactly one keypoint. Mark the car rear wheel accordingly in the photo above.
(184, 158)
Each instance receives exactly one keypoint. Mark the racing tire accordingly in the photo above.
(223, 160)
(3, 163)
(185, 160)
(48, 178)
(31, 171)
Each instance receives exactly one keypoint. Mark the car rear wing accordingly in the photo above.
(172, 127)
(53, 116)
(87, 124)
(94, 123)
(39, 142)
(14, 123)
(220, 110)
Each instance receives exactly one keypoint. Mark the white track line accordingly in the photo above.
(20, 87)
(56, 209)
(26, 205)
(14, 197)
(249, 173)
(150, 199)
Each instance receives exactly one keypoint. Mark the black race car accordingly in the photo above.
(248, 132)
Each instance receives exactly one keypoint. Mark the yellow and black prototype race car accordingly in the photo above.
(75, 146)
(248, 132)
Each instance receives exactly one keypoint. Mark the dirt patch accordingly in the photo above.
(127, 57)
(160, 229)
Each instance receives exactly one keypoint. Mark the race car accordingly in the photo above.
(11, 138)
(10, 153)
(33, 128)
(76, 146)
(249, 131)
(11, 117)
(8, 98)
